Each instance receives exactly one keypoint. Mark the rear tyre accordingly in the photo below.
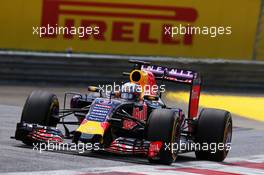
(215, 130)
(163, 125)
(41, 108)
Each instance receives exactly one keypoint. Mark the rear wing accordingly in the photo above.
(181, 76)
(171, 74)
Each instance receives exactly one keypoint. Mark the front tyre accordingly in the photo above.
(41, 108)
(214, 129)
(164, 125)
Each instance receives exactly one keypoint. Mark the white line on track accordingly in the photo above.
(232, 166)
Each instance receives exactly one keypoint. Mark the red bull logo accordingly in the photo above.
(138, 113)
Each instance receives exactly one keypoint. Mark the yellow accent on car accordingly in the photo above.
(91, 127)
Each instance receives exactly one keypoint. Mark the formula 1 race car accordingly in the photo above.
(131, 120)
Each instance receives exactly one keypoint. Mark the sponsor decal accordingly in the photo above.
(99, 112)
(121, 29)
(139, 112)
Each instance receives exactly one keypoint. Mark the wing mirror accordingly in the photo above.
(151, 97)
(93, 89)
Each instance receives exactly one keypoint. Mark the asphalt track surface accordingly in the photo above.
(247, 145)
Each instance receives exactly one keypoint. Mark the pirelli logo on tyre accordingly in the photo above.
(119, 22)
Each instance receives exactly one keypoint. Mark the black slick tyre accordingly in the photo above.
(163, 125)
(41, 108)
(214, 129)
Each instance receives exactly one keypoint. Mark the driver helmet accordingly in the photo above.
(130, 91)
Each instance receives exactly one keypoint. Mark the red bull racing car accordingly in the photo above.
(131, 120)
